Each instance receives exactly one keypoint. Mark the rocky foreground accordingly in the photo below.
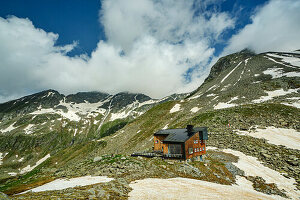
(217, 167)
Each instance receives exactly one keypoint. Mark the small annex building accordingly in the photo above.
(184, 143)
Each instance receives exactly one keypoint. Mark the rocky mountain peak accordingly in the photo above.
(91, 97)
(227, 61)
(46, 99)
(247, 52)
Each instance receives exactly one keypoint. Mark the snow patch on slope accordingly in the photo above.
(195, 97)
(60, 184)
(294, 104)
(75, 132)
(71, 115)
(12, 173)
(195, 109)
(295, 61)
(121, 115)
(230, 72)
(252, 167)
(29, 168)
(85, 108)
(225, 87)
(278, 136)
(279, 62)
(2, 155)
(277, 73)
(10, 128)
(211, 95)
(151, 101)
(74, 110)
(165, 127)
(28, 130)
(175, 108)
(293, 98)
(272, 94)
(228, 104)
(129, 109)
(185, 188)
(50, 94)
(246, 61)
(212, 87)
(222, 105)
(242, 72)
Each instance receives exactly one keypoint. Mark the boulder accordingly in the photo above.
(96, 159)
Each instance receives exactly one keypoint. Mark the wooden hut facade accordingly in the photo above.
(183, 144)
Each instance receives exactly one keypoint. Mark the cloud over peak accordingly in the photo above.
(126, 22)
(152, 47)
(275, 27)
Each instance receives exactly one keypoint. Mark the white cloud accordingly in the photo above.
(125, 22)
(161, 41)
(150, 46)
(274, 27)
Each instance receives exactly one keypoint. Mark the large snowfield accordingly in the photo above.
(184, 188)
(279, 136)
(60, 184)
(252, 167)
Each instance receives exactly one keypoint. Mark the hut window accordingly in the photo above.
(203, 148)
(198, 149)
(195, 141)
(174, 148)
(190, 150)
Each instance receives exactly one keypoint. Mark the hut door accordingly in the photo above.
(174, 148)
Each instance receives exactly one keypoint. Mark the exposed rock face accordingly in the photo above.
(260, 185)
(123, 99)
(82, 97)
(226, 62)
(28, 104)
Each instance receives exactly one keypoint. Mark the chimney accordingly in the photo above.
(189, 129)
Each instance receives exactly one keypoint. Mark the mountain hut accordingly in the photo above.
(188, 143)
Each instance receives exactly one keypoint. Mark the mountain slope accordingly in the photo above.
(244, 92)
(247, 93)
(246, 79)
(48, 122)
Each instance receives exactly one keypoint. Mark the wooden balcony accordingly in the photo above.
(157, 154)
(145, 154)
(173, 155)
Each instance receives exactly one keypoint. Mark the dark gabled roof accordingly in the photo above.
(182, 134)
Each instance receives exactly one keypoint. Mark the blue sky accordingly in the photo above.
(152, 47)
(73, 20)
(77, 20)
